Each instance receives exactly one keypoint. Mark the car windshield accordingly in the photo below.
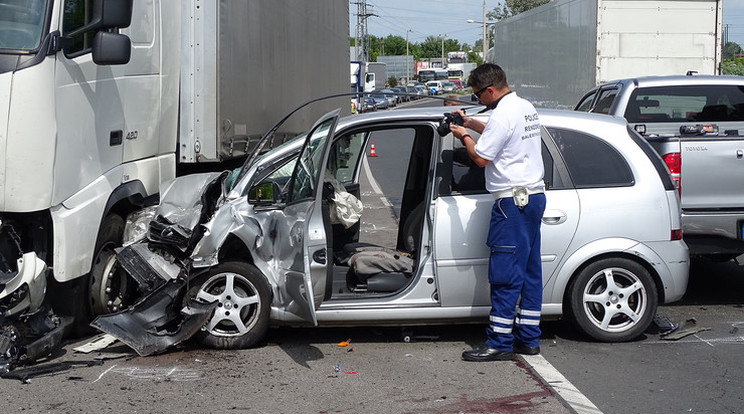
(21, 24)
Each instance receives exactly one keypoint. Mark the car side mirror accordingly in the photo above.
(266, 193)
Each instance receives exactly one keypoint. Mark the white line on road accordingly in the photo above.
(573, 397)
(373, 183)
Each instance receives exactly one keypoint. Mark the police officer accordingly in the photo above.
(510, 150)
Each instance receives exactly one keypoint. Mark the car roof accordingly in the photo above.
(651, 81)
(549, 117)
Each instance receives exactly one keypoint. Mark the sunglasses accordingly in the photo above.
(480, 92)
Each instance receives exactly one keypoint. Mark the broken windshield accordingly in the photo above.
(21, 24)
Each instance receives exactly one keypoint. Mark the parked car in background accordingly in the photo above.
(448, 86)
(412, 91)
(265, 244)
(369, 104)
(696, 124)
(435, 86)
(458, 84)
(421, 91)
(393, 100)
(381, 100)
(402, 91)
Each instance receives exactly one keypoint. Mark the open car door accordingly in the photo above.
(301, 244)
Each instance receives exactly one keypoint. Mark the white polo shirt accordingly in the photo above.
(511, 141)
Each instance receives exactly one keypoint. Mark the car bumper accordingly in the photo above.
(671, 261)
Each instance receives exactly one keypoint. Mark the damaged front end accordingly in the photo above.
(28, 328)
(159, 243)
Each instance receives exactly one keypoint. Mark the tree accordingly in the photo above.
(512, 7)
(395, 46)
(731, 49)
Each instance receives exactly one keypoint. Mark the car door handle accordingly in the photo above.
(554, 217)
(320, 256)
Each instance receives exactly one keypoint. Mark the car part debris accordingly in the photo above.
(98, 343)
(25, 374)
(687, 328)
(29, 329)
(664, 324)
(158, 321)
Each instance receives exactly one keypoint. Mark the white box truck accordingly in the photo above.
(553, 53)
(103, 100)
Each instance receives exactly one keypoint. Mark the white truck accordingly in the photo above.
(101, 101)
(552, 54)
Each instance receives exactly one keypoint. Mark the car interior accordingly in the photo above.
(365, 266)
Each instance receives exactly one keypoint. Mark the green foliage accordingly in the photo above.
(512, 7)
(731, 49)
(392, 82)
(733, 66)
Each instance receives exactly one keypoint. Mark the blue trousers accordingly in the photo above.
(514, 272)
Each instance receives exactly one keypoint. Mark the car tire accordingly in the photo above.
(613, 300)
(233, 284)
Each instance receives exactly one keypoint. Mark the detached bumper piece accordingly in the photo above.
(29, 338)
(158, 321)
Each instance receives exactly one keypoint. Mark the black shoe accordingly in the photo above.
(485, 353)
(526, 350)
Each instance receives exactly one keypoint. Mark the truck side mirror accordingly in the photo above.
(111, 49)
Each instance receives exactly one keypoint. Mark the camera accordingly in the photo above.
(449, 118)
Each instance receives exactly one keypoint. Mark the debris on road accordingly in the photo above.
(687, 328)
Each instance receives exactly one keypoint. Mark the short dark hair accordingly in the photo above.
(487, 74)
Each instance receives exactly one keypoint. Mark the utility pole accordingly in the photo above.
(442, 36)
(408, 66)
(485, 33)
(361, 31)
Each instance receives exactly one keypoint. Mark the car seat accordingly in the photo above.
(378, 269)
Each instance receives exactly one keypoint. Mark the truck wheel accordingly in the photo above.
(111, 289)
(243, 296)
(613, 300)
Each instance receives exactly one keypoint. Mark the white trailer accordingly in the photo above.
(102, 100)
(554, 53)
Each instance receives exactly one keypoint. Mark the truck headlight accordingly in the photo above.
(137, 224)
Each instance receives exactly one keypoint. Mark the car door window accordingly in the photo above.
(308, 168)
(591, 162)
(585, 105)
(468, 178)
(605, 100)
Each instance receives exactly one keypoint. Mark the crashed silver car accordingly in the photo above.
(283, 242)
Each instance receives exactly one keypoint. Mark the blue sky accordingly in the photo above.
(433, 17)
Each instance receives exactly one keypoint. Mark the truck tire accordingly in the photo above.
(86, 297)
(243, 297)
(613, 300)
(111, 289)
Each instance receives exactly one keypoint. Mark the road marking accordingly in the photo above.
(104, 373)
(570, 394)
(373, 183)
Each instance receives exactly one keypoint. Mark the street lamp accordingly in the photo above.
(485, 34)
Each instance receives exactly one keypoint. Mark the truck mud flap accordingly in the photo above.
(157, 321)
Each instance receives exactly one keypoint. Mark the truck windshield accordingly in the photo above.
(21, 24)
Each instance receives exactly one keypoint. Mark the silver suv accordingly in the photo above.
(259, 246)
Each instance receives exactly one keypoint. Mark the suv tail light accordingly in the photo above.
(673, 161)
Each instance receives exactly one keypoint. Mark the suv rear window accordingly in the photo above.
(709, 103)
